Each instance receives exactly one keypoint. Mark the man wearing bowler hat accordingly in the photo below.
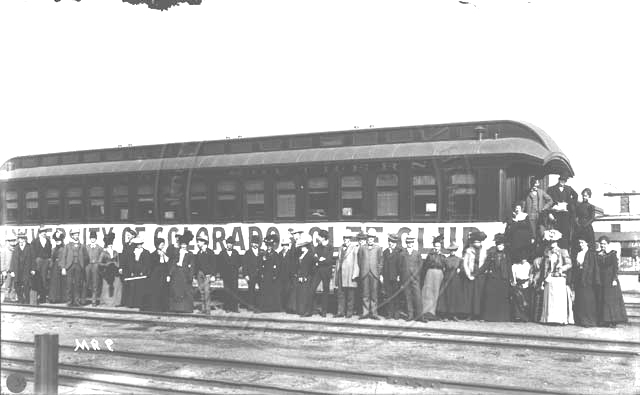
(391, 276)
(42, 255)
(228, 264)
(92, 278)
(411, 269)
(75, 257)
(204, 264)
(22, 267)
(565, 200)
(250, 270)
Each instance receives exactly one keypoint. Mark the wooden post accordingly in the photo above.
(46, 361)
(206, 308)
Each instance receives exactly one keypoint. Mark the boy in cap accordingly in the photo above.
(391, 276)
(229, 262)
(346, 276)
(205, 265)
(250, 270)
(42, 255)
(92, 278)
(370, 261)
(323, 255)
(75, 257)
(411, 269)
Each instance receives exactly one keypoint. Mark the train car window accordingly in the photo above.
(144, 202)
(226, 200)
(71, 157)
(332, 141)
(301, 142)
(352, 196)
(30, 162)
(213, 149)
(399, 136)
(96, 202)
(50, 160)
(318, 195)
(11, 205)
(254, 198)
(172, 190)
(425, 196)
(199, 201)
(462, 197)
(74, 204)
(387, 195)
(241, 147)
(286, 199)
(271, 145)
(32, 205)
(365, 138)
(117, 154)
(53, 208)
(89, 157)
(120, 203)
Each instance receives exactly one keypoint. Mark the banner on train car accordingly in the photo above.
(242, 233)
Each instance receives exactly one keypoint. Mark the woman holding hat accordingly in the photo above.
(56, 281)
(612, 310)
(586, 278)
(557, 305)
(110, 272)
(497, 269)
(269, 266)
(181, 277)
(451, 300)
(158, 286)
(473, 259)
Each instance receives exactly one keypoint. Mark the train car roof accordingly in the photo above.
(441, 140)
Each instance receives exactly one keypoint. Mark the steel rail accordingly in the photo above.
(315, 371)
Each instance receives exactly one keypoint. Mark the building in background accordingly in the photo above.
(621, 223)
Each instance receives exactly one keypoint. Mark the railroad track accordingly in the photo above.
(418, 333)
(353, 376)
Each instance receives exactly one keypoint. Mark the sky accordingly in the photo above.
(103, 73)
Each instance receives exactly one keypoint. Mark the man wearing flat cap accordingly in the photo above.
(204, 264)
(391, 276)
(22, 267)
(42, 255)
(250, 270)
(565, 200)
(75, 258)
(228, 264)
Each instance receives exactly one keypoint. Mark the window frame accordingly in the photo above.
(385, 188)
(360, 189)
(435, 216)
(451, 215)
(309, 191)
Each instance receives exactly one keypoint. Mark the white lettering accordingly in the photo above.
(95, 345)
(109, 343)
(83, 345)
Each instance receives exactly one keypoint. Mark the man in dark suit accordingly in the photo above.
(391, 276)
(42, 254)
(74, 258)
(323, 255)
(411, 268)
(250, 270)
(228, 265)
(536, 204)
(22, 269)
(563, 211)
(288, 275)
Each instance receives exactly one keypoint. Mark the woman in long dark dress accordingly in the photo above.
(181, 277)
(518, 236)
(158, 287)
(612, 310)
(110, 272)
(586, 278)
(269, 266)
(495, 297)
(228, 262)
(474, 283)
(585, 215)
(451, 302)
(140, 267)
(56, 280)
(521, 286)
(303, 291)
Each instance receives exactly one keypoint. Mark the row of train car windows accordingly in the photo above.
(248, 199)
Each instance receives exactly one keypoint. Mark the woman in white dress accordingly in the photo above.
(557, 307)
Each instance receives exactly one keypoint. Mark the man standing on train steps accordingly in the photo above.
(204, 266)
(250, 270)
(370, 261)
(42, 254)
(92, 279)
(536, 203)
(391, 276)
(74, 258)
(322, 272)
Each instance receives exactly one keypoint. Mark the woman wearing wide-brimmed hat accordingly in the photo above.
(56, 281)
(473, 259)
(303, 291)
(557, 305)
(110, 272)
(181, 277)
(451, 302)
(497, 269)
(158, 286)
